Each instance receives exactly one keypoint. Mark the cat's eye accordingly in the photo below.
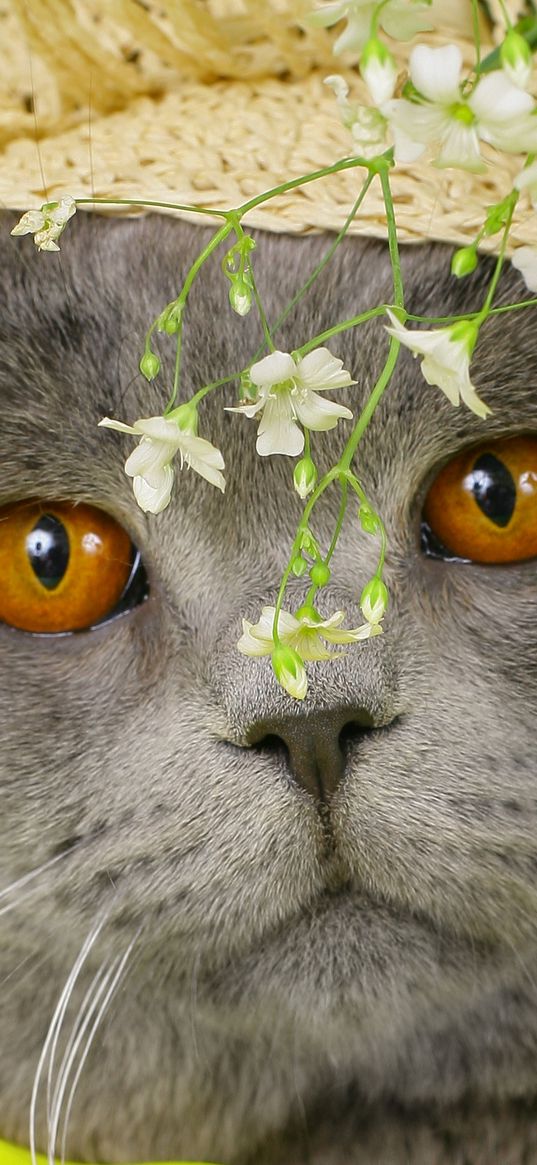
(63, 566)
(483, 504)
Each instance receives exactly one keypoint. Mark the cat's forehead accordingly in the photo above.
(74, 330)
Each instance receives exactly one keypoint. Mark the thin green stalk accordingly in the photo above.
(303, 525)
(485, 310)
(325, 259)
(375, 165)
(264, 323)
(342, 327)
(152, 202)
(369, 409)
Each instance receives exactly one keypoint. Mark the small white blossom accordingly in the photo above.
(379, 71)
(517, 59)
(304, 632)
(289, 670)
(446, 356)
(525, 261)
(367, 125)
(47, 224)
(150, 463)
(288, 393)
(401, 19)
(374, 600)
(495, 111)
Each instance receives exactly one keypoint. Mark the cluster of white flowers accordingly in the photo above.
(432, 111)
(300, 637)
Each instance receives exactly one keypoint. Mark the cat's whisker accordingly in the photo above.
(56, 1024)
(106, 1001)
(83, 1016)
(33, 874)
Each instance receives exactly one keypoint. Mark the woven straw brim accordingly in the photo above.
(210, 104)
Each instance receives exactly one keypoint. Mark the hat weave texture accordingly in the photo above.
(211, 102)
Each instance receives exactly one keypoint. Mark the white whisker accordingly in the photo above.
(33, 874)
(93, 990)
(56, 1023)
(115, 981)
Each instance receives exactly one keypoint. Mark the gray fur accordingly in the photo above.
(353, 988)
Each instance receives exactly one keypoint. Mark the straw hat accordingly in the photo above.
(211, 102)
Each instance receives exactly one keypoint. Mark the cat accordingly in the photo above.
(317, 923)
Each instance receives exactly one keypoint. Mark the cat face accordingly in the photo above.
(315, 893)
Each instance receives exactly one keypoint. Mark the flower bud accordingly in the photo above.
(240, 296)
(290, 671)
(304, 477)
(464, 262)
(374, 600)
(320, 574)
(169, 320)
(378, 70)
(299, 566)
(185, 417)
(368, 519)
(149, 364)
(516, 58)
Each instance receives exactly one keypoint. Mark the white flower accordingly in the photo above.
(367, 124)
(304, 633)
(379, 71)
(525, 261)
(516, 58)
(287, 392)
(527, 180)
(496, 111)
(374, 600)
(47, 224)
(401, 19)
(446, 359)
(150, 463)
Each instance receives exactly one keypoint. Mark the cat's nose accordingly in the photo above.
(315, 745)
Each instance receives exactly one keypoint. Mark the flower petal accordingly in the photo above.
(273, 369)
(154, 499)
(496, 99)
(318, 413)
(320, 370)
(204, 458)
(524, 259)
(121, 428)
(436, 73)
(278, 431)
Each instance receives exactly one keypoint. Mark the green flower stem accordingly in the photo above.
(477, 34)
(393, 245)
(485, 310)
(367, 412)
(342, 327)
(322, 264)
(373, 165)
(387, 371)
(310, 597)
(152, 202)
(264, 322)
(355, 484)
(303, 526)
(217, 238)
(340, 519)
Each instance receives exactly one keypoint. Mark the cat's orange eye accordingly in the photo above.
(63, 567)
(483, 504)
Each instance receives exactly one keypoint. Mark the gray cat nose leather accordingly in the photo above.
(314, 744)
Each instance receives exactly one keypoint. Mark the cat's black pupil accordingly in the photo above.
(493, 488)
(47, 546)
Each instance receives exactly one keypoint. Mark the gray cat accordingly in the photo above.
(310, 929)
